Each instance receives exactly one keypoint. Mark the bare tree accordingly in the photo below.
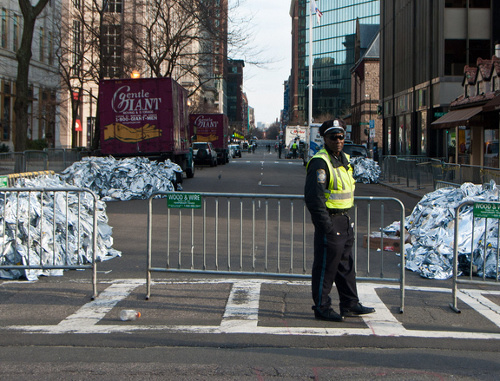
(23, 55)
(182, 39)
(273, 131)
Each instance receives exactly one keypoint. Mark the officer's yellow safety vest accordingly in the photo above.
(340, 193)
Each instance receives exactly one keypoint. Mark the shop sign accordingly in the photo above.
(184, 200)
(486, 210)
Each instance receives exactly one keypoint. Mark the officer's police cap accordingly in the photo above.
(332, 126)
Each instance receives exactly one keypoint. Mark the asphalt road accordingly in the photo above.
(221, 327)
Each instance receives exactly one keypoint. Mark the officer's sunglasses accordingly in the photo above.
(335, 137)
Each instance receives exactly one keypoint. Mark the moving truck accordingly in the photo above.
(145, 117)
(213, 128)
(295, 133)
(315, 141)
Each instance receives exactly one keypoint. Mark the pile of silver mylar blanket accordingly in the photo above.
(126, 179)
(432, 227)
(24, 214)
(366, 170)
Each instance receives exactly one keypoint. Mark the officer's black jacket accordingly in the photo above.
(314, 191)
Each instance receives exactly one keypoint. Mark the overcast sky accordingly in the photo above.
(272, 36)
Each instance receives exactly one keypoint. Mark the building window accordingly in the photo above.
(51, 48)
(479, 3)
(15, 33)
(4, 29)
(112, 48)
(454, 57)
(77, 47)
(41, 42)
(114, 6)
(455, 3)
(6, 112)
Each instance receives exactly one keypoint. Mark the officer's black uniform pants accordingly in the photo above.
(333, 262)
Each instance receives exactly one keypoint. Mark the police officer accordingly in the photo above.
(329, 194)
(294, 149)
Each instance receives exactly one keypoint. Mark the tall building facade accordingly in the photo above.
(237, 111)
(43, 110)
(425, 46)
(333, 53)
(163, 38)
(78, 42)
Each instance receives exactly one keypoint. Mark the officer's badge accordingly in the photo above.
(321, 176)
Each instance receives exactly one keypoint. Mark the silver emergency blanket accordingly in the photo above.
(431, 226)
(28, 218)
(126, 179)
(366, 170)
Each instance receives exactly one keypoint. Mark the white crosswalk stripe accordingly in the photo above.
(241, 314)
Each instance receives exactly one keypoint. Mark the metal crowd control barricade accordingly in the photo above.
(23, 221)
(486, 211)
(258, 235)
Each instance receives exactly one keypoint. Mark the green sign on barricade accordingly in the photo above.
(486, 210)
(4, 181)
(184, 200)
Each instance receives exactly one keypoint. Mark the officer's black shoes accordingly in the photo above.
(358, 309)
(328, 315)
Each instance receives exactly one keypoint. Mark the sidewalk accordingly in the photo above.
(410, 190)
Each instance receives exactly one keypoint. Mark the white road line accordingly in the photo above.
(242, 308)
(477, 300)
(91, 313)
(382, 322)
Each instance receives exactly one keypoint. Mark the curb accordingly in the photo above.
(404, 190)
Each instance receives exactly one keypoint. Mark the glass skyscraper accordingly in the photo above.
(334, 43)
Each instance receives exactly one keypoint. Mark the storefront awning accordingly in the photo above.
(457, 118)
(493, 105)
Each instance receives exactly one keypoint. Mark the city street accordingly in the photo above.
(211, 326)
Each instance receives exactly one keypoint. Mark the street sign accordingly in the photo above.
(486, 210)
(372, 123)
(439, 114)
(4, 181)
(184, 200)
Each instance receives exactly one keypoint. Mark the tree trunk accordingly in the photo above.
(23, 56)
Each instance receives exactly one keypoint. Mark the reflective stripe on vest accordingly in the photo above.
(340, 193)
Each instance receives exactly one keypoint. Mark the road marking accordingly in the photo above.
(91, 313)
(477, 300)
(382, 322)
(242, 309)
(275, 162)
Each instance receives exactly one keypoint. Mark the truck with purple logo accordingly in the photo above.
(213, 128)
(145, 117)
